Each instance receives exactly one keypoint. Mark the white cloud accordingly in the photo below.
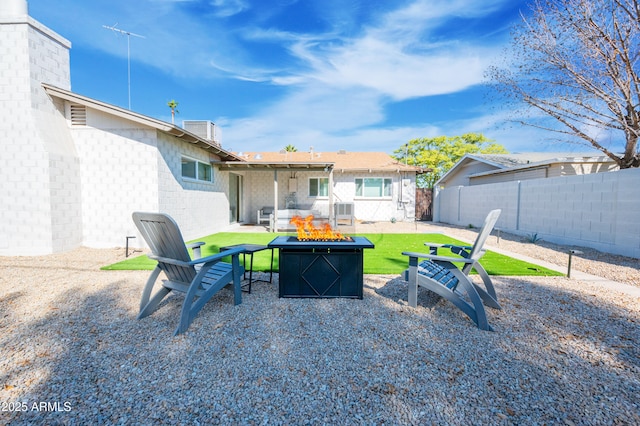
(391, 70)
(397, 58)
(263, 135)
(225, 8)
(338, 101)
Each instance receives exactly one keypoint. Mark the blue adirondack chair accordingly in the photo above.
(441, 275)
(199, 279)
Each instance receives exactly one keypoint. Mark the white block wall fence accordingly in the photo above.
(600, 210)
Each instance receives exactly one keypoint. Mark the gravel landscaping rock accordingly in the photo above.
(72, 351)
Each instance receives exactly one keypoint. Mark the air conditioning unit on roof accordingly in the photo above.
(203, 128)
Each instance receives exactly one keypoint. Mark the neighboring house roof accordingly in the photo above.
(162, 126)
(528, 161)
(504, 163)
(340, 161)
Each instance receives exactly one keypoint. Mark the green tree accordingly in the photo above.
(174, 109)
(440, 153)
(576, 64)
(290, 148)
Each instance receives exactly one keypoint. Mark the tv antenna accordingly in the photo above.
(128, 34)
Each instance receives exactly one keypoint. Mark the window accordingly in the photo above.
(193, 169)
(373, 187)
(318, 187)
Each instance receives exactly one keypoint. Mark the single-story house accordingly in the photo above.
(480, 169)
(369, 186)
(75, 168)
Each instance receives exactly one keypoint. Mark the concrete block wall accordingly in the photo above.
(66, 200)
(62, 186)
(119, 171)
(38, 181)
(379, 209)
(259, 193)
(133, 169)
(596, 210)
(199, 208)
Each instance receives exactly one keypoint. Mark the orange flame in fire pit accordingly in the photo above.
(308, 232)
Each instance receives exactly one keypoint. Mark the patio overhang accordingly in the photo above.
(286, 166)
(289, 166)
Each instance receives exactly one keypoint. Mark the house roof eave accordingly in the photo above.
(466, 159)
(261, 165)
(547, 164)
(162, 126)
(302, 166)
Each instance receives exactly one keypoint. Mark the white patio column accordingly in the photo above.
(331, 205)
(275, 201)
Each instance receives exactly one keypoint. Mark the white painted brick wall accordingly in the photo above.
(129, 169)
(38, 199)
(199, 208)
(62, 187)
(597, 210)
(119, 169)
(259, 193)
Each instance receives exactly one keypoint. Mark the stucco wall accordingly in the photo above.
(596, 210)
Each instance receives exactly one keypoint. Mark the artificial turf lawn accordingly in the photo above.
(386, 258)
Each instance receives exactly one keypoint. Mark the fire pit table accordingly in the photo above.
(321, 269)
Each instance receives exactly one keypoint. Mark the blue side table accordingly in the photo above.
(250, 249)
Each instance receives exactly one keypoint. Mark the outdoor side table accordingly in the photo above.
(250, 249)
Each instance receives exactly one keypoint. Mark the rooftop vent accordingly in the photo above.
(203, 128)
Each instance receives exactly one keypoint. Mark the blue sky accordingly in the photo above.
(360, 75)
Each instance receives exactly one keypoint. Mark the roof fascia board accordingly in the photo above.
(301, 166)
(262, 165)
(486, 161)
(160, 125)
(510, 170)
(465, 159)
(112, 109)
(546, 164)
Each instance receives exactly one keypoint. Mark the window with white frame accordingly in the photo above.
(197, 170)
(318, 187)
(373, 187)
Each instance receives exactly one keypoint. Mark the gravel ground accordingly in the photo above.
(615, 268)
(72, 352)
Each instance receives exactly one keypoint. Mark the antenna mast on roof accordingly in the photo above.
(128, 34)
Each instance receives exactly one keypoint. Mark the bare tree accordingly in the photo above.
(577, 61)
